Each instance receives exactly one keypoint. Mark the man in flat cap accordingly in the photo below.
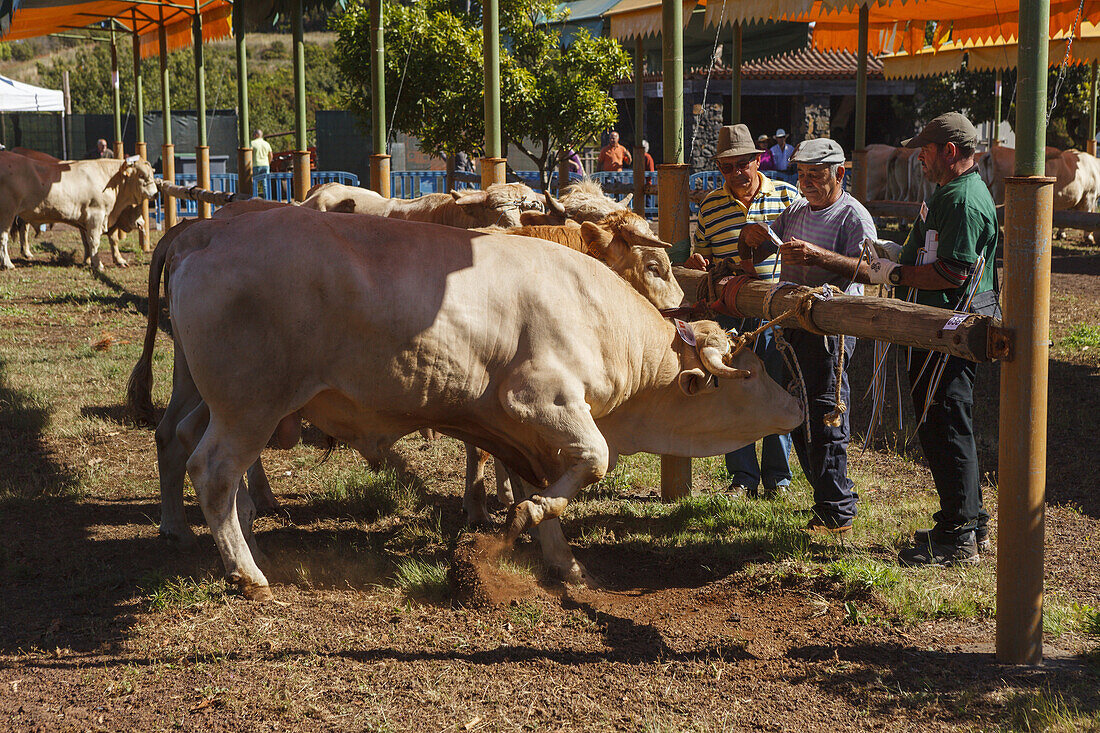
(822, 236)
(948, 262)
(746, 196)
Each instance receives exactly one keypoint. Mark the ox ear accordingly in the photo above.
(695, 381)
(596, 239)
(470, 198)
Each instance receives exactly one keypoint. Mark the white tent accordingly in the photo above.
(15, 96)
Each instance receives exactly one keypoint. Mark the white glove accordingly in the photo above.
(880, 267)
(884, 248)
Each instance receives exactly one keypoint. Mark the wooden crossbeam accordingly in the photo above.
(194, 193)
(976, 338)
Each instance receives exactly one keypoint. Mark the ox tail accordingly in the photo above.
(139, 389)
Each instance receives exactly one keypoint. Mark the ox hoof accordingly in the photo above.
(7, 265)
(256, 592)
(121, 262)
(183, 540)
(265, 506)
(519, 521)
(579, 576)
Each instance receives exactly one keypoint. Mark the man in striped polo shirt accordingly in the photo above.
(747, 196)
(822, 234)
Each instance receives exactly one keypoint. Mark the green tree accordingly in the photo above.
(552, 97)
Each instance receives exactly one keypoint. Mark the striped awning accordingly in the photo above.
(642, 18)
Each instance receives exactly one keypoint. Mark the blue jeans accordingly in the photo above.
(773, 468)
(825, 459)
(259, 170)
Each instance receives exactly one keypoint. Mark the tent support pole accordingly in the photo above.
(244, 151)
(1029, 200)
(672, 196)
(301, 154)
(639, 129)
(116, 98)
(202, 150)
(859, 154)
(167, 150)
(139, 135)
(995, 133)
(1090, 143)
(494, 164)
(735, 76)
(379, 160)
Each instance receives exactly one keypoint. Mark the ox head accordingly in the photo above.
(624, 242)
(499, 205)
(582, 201)
(731, 395)
(138, 178)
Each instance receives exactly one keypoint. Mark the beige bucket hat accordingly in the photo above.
(734, 141)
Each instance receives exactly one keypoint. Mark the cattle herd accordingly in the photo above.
(526, 326)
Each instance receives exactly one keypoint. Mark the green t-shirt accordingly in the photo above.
(960, 223)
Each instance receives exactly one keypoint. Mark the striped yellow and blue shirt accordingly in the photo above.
(722, 216)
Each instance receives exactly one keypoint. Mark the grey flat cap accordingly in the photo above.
(819, 151)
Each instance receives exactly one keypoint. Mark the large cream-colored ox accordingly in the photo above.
(440, 328)
(95, 196)
(499, 205)
(878, 170)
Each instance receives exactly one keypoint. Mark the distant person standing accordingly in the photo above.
(100, 151)
(261, 154)
(781, 151)
(766, 162)
(614, 156)
(649, 167)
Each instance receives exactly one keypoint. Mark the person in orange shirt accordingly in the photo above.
(648, 158)
(614, 156)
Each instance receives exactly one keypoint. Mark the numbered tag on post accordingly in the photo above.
(685, 331)
(955, 321)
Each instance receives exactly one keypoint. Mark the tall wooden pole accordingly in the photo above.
(202, 150)
(244, 150)
(735, 75)
(639, 126)
(859, 154)
(301, 153)
(493, 165)
(139, 135)
(672, 200)
(380, 159)
(1029, 201)
(1090, 143)
(167, 149)
(995, 133)
(116, 98)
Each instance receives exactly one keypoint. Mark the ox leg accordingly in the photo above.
(25, 242)
(473, 501)
(259, 488)
(172, 455)
(216, 465)
(114, 237)
(90, 235)
(556, 552)
(5, 261)
(504, 484)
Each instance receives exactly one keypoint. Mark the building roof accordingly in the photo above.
(806, 63)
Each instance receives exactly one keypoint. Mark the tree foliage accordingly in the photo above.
(552, 97)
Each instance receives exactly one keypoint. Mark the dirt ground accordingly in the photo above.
(677, 638)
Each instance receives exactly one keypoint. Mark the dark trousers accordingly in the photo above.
(947, 440)
(825, 459)
(773, 467)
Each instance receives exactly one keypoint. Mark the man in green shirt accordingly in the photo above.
(952, 244)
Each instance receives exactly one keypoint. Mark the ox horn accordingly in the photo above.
(637, 239)
(716, 365)
(625, 203)
(553, 206)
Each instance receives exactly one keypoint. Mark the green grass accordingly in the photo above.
(179, 592)
(1049, 711)
(1084, 336)
(366, 495)
(422, 580)
(526, 614)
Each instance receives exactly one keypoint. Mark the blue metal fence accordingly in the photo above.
(272, 186)
(626, 178)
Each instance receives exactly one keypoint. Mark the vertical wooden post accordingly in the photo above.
(139, 134)
(244, 150)
(380, 159)
(1090, 143)
(1029, 203)
(301, 153)
(735, 77)
(859, 154)
(167, 150)
(672, 198)
(639, 126)
(116, 98)
(494, 164)
(202, 150)
(995, 133)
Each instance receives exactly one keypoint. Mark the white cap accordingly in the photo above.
(781, 132)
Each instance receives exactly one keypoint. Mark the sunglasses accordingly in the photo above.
(733, 165)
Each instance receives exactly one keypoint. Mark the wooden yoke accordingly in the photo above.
(975, 338)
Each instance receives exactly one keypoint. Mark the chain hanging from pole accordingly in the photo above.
(1065, 62)
(706, 86)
